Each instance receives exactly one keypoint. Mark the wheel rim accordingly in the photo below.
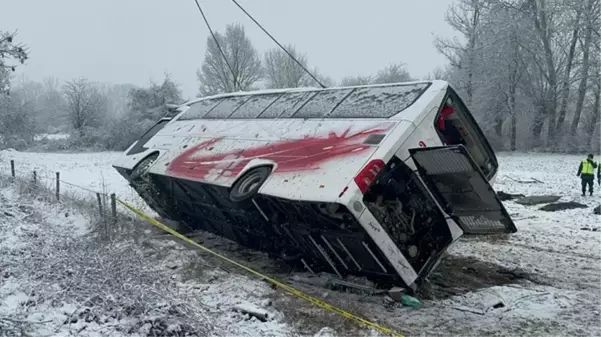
(249, 184)
(143, 167)
(147, 165)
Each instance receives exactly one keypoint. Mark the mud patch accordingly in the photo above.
(509, 196)
(459, 275)
(562, 206)
(537, 199)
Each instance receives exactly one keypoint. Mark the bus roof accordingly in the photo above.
(301, 89)
(361, 101)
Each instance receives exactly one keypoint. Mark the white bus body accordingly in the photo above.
(364, 180)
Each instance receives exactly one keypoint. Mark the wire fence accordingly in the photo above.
(103, 202)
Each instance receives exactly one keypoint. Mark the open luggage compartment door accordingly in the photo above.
(462, 190)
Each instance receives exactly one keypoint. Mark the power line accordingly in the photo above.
(217, 43)
(276, 41)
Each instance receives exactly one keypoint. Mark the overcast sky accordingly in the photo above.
(131, 41)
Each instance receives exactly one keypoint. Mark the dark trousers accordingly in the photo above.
(587, 179)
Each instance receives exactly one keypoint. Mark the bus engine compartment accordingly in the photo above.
(401, 203)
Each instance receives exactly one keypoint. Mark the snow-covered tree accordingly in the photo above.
(240, 68)
(526, 68)
(281, 71)
(86, 105)
(392, 74)
(151, 102)
(11, 54)
(356, 80)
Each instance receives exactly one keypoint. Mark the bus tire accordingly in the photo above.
(246, 187)
(142, 167)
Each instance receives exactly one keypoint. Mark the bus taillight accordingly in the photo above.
(368, 174)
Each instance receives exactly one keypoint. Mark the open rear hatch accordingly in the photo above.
(462, 190)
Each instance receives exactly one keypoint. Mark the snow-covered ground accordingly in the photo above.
(58, 277)
(51, 136)
(82, 174)
(547, 276)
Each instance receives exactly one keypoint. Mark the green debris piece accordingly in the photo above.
(410, 301)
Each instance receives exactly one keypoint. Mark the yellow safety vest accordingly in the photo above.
(587, 167)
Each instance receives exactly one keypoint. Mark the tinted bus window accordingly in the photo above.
(226, 107)
(199, 109)
(254, 106)
(378, 102)
(286, 105)
(321, 105)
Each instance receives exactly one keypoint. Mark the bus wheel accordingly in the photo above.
(142, 167)
(245, 188)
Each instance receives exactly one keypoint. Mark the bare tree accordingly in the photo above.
(544, 65)
(438, 73)
(392, 74)
(565, 89)
(356, 80)
(592, 13)
(85, 105)
(17, 124)
(281, 71)
(240, 68)
(529, 65)
(323, 79)
(465, 17)
(151, 102)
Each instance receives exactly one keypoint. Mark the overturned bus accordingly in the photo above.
(374, 180)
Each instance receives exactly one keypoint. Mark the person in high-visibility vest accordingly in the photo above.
(586, 172)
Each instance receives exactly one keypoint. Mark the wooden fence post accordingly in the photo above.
(58, 186)
(100, 204)
(114, 207)
(35, 177)
(105, 226)
(12, 168)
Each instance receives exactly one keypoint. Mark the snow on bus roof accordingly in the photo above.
(303, 89)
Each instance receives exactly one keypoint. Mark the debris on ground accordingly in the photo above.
(508, 196)
(537, 199)
(597, 210)
(410, 301)
(252, 311)
(326, 332)
(396, 293)
(531, 181)
(562, 206)
(340, 285)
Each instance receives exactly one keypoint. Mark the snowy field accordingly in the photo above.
(543, 280)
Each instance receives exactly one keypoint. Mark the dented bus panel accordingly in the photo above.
(372, 180)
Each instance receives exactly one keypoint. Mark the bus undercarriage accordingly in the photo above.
(314, 236)
(327, 237)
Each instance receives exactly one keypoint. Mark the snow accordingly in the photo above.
(92, 171)
(61, 279)
(304, 89)
(559, 293)
(380, 102)
(51, 136)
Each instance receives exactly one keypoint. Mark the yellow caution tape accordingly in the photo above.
(286, 287)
